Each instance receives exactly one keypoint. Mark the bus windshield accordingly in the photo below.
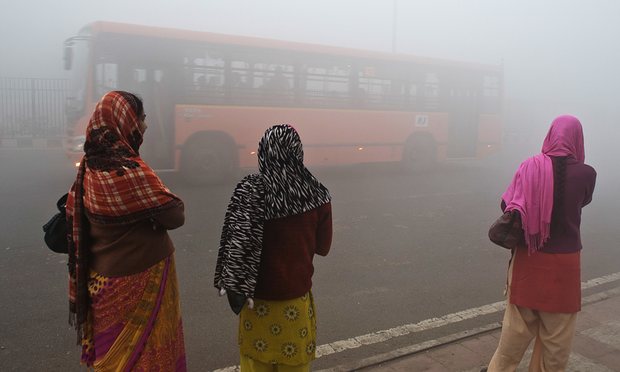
(78, 53)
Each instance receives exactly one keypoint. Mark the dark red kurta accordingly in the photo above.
(549, 282)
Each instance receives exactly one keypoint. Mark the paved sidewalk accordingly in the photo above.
(596, 347)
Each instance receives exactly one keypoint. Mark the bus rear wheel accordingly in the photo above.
(419, 154)
(208, 160)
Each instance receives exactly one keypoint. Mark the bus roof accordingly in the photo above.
(216, 38)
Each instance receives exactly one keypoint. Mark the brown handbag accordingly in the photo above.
(507, 231)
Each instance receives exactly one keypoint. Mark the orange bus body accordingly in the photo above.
(330, 137)
(447, 108)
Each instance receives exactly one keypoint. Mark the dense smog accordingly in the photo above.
(414, 115)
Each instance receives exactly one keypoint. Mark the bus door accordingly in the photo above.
(462, 105)
(152, 83)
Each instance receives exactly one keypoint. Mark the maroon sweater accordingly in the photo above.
(578, 189)
(289, 245)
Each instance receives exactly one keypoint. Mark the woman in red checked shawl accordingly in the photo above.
(544, 293)
(123, 292)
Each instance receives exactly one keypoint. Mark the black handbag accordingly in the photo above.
(56, 228)
(507, 230)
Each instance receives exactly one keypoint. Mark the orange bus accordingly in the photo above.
(209, 97)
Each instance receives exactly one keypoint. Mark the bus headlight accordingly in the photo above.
(78, 144)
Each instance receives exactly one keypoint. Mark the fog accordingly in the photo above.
(557, 57)
(562, 53)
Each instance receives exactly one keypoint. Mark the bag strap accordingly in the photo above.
(62, 203)
(513, 252)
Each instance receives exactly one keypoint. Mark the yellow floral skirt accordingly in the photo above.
(279, 332)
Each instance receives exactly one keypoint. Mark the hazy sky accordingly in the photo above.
(559, 50)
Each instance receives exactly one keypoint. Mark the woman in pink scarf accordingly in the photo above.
(544, 292)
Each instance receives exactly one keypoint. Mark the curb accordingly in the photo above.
(29, 142)
(412, 350)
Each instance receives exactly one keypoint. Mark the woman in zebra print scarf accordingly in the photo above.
(277, 220)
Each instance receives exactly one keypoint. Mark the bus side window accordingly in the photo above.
(412, 96)
(381, 90)
(106, 78)
(277, 81)
(490, 94)
(326, 84)
(395, 94)
(137, 82)
(204, 75)
(431, 92)
(207, 83)
(200, 83)
(240, 83)
(360, 97)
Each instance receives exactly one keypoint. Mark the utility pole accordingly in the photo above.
(394, 17)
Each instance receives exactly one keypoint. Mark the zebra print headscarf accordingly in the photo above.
(283, 187)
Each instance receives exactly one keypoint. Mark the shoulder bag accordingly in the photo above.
(507, 231)
(56, 228)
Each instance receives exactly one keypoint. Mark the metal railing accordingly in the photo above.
(31, 107)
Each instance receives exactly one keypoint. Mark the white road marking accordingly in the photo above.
(384, 335)
(602, 280)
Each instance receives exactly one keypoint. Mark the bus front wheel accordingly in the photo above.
(419, 154)
(208, 160)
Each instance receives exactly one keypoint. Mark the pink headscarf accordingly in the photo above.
(531, 189)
